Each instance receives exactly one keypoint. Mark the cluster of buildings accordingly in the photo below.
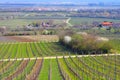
(51, 9)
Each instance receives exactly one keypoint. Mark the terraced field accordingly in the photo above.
(51, 61)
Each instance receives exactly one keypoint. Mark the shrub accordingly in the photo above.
(87, 43)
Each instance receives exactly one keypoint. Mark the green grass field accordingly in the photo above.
(14, 23)
(25, 18)
(79, 20)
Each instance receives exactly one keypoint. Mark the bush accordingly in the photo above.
(87, 43)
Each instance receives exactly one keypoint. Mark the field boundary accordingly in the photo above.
(54, 57)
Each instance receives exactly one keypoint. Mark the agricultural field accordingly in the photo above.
(83, 20)
(31, 49)
(23, 22)
(30, 38)
(42, 57)
(62, 68)
(43, 60)
(15, 19)
(116, 45)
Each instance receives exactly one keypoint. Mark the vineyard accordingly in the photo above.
(31, 49)
(52, 61)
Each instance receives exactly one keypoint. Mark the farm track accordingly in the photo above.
(68, 22)
(54, 57)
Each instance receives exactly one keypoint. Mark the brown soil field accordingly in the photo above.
(33, 38)
(6, 39)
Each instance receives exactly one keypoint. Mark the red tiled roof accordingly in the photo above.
(106, 23)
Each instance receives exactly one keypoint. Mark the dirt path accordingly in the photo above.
(68, 22)
(54, 57)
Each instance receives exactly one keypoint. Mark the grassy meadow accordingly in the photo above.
(83, 20)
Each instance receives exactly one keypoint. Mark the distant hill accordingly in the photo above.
(60, 1)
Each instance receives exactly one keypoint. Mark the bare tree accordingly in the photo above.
(2, 30)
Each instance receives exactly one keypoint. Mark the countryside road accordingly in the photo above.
(68, 22)
(54, 57)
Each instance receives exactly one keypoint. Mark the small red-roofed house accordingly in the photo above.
(106, 25)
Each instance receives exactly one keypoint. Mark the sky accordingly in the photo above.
(52, 1)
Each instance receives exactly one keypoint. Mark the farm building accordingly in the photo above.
(107, 25)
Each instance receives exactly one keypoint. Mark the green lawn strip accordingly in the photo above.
(48, 49)
(49, 45)
(51, 49)
(14, 51)
(45, 49)
(19, 55)
(115, 44)
(42, 49)
(11, 69)
(23, 50)
(45, 70)
(26, 71)
(2, 46)
(34, 50)
(57, 47)
(4, 51)
(8, 53)
(55, 75)
(38, 49)
(29, 51)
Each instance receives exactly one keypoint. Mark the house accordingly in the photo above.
(107, 25)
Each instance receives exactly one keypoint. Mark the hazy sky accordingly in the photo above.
(74, 1)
